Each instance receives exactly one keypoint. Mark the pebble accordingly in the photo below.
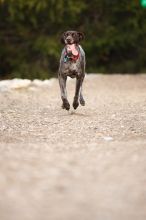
(108, 138)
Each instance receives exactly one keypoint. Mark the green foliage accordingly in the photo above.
(30, 31)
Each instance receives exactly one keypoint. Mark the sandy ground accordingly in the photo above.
(88, 164)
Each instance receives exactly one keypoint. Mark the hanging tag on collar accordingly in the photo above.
(65, 59)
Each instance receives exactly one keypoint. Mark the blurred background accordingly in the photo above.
(115, 36)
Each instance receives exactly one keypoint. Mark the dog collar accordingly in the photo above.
(70, 58)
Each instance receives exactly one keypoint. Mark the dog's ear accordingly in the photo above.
(62, 38)
(81, 36)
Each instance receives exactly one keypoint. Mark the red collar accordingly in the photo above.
(75, 57)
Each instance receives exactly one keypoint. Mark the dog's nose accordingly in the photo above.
(68, 39)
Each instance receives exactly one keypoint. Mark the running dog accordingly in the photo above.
(72, 64)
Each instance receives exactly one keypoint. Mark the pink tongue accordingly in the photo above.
(72, 48)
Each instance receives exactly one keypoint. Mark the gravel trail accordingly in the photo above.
(88, 164)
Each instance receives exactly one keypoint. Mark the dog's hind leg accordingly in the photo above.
(62, 83)
(78, 92)
(82, 101)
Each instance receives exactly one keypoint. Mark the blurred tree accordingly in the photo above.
(118, 32)
(30, 32)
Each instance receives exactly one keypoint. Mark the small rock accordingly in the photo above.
(108, 138)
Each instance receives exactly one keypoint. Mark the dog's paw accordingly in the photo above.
(66, 105)
(75, 104)
(82, 101)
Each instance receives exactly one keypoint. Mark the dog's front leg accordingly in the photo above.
(62, 83)
(79, 82)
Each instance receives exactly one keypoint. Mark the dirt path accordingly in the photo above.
(83, 165)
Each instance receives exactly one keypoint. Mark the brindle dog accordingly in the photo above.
(72, 64)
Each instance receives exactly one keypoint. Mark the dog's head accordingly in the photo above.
(72, 37)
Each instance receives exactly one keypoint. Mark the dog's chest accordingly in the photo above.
(72, 69)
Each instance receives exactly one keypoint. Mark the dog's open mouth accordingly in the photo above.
(71, 53)
(71, 49)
